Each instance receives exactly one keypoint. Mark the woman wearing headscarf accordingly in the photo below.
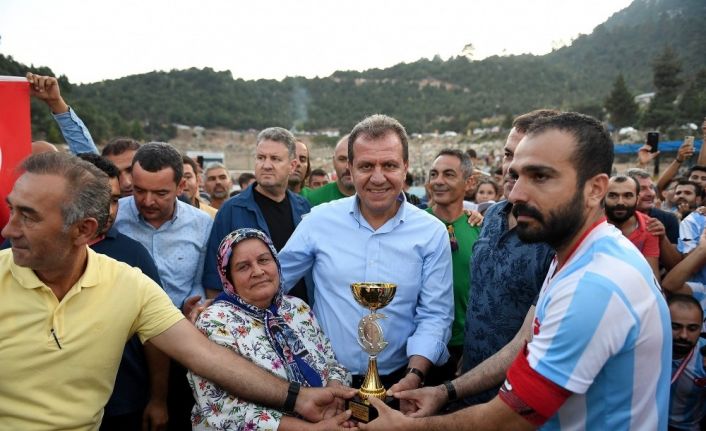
(275, 331)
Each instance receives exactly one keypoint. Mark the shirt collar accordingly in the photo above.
(28, 279)
(398, 218)
(136, 211)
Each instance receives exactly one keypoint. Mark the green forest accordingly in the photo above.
(647, 47)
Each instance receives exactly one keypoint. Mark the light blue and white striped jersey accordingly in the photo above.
(603, 332)
(698, 291)
(689, 233)
(687, 401)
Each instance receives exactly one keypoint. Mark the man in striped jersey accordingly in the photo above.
(687, 401)
(600, 354)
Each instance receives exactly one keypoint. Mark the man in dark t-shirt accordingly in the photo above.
(267, 205)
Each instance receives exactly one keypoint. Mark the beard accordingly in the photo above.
(556, 228)
(681, 348)
(610, 212)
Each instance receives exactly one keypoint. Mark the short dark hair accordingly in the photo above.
(87, 189)
(466, 163)
(186, 160)
(318, 171)
(680, 298)
(684, 182)
(522, 122)
(472, 153)
(638, 173)
(594, 151)
(244, 178)
(377, 126)
(155, 156)
(700, 168)
(118, 146)
(620, 178)
(101, 163)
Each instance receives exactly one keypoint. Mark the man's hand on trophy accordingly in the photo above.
(408, 382)
(341, 403)
(387, 420)
(424, 401)
(316, 404)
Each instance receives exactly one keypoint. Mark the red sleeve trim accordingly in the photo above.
(529, 394)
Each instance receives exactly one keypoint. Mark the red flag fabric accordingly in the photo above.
(15, 134)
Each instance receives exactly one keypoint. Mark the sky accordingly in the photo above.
(94, 40)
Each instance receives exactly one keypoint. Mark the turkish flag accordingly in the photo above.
(15, 134)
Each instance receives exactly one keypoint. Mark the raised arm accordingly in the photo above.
(76, 134)
(686, 150)
(675, 280)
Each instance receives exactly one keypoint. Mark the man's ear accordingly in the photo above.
(470, 184)
(181, 186)
(84, 231)
(595, 189)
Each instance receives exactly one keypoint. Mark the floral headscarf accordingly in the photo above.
(284, 340)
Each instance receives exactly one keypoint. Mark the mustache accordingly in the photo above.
(521, 209)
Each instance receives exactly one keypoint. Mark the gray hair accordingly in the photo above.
(281, 135)
(466, 163)
(376, 126)
(87, 188)
(638, 173)
(215, 165)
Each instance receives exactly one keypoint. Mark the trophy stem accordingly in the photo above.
(372, 386)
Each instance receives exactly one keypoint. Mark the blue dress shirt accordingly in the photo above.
(411, 250)
(178, 247)
(75, 133)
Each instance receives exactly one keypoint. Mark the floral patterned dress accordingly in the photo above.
(225, 324)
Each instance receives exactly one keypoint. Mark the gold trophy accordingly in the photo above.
(373, 296)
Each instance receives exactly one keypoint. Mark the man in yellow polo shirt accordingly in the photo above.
(68, 311)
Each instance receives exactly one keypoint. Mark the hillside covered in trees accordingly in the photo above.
(426, 95)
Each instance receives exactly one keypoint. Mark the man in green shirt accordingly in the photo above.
(343, 186)
(449, 180)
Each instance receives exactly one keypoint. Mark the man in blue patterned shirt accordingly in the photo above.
(506, 276)
(175, 234)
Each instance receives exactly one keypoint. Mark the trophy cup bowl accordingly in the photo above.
(373, 296)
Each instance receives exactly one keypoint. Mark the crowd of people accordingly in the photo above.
(142, 293)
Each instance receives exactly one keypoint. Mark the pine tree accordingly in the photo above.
(692, 107)
(662, 111)
(621, 105)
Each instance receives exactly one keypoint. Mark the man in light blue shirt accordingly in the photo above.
(174, 232)
(376, 235)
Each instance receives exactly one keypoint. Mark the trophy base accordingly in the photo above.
(362, 411)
